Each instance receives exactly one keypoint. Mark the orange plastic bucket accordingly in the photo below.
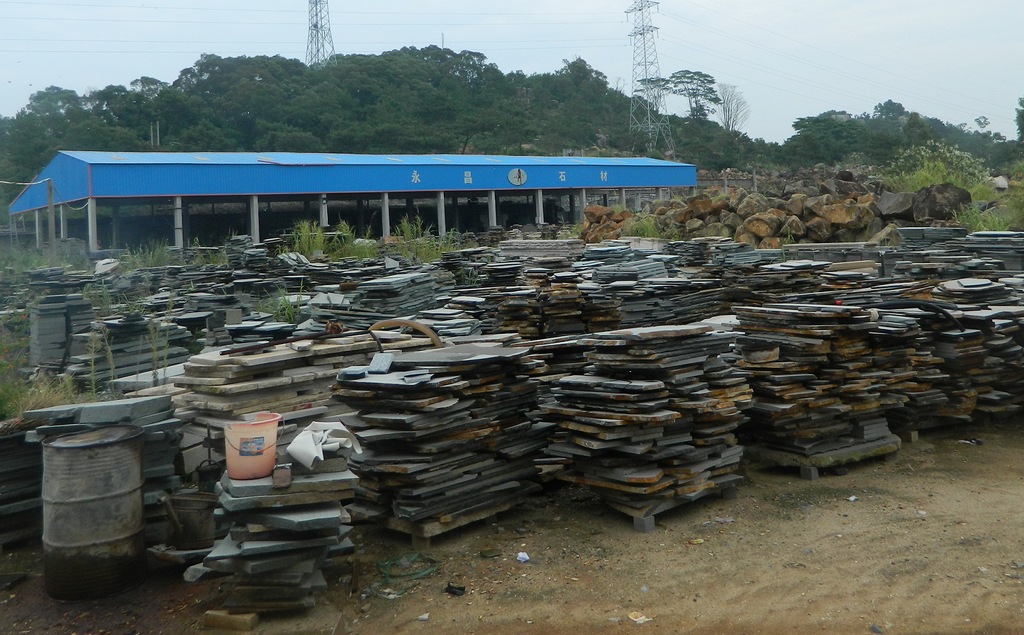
(251, 446)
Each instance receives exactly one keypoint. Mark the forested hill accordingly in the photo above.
(429, 100)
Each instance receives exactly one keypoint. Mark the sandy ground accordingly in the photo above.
(928, 543)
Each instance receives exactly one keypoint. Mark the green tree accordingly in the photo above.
(826, 138)
(699, 90)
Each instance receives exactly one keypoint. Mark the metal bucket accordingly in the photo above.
(191, 515)
(93, 520)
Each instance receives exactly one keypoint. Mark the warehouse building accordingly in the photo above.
(176, 197)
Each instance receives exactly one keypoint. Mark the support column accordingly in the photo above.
(622, 196)
(186, 223)
(94, 241)
(360, 217)
(115, 225)
(179, 225)
(385, 215)
(492, 209)
(254, 218)
(604, 199)
(538, 206)
(39, 231)
(324, 221)
(442, 222)
(583, 199)
(636, 201)
(63, 224)
(51, 224)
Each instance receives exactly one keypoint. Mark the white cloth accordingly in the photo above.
(320, 437)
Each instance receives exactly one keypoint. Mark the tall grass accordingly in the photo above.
(414, 241)
(154, 254)
(348, 245)
(16, 259)
(309, 239)
(976, 220)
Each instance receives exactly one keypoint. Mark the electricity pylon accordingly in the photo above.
(648, 102)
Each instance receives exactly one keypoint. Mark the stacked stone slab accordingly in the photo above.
(283, 533)
(817, 390)
(434, 425)
(54, 322)
(293, 380)
(120, 346)
(652, 423)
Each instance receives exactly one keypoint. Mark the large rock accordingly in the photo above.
(819, 230)
(796, 203)
(743, 236)
(753, 204)
(939, 202)
(896, 205)
(888, 236)
(694, 225)
(804, 186)
(793, 228)
(699, 205)
(595, 213)
(716, 229)
(816, 203)
(772, 242)
(735, 197)
(732, 220)
(763, 224)
(848, 215)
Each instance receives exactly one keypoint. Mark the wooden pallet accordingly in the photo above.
(644, 517)
(811, 464)
(422, 531)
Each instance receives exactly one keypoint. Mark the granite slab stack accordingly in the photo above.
(651, 302)
(293, 380)
(432, 425)
(54, 321)
(819, 398)
(120, 346)
(398, 295)
(282, 533)
(553, 307)
(21, 478)
(652, 423)
(906, 350)
(531, 249)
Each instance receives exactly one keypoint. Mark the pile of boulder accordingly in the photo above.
(840, 209)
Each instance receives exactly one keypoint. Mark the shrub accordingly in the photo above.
(976, 220)
(931, 164)
(647, 226)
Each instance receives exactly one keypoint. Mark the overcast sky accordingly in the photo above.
(949, 59)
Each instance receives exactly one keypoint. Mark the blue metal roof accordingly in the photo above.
(81, 175)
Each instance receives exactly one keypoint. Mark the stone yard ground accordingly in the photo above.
(928, 543)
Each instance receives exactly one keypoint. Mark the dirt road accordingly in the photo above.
(928, 543)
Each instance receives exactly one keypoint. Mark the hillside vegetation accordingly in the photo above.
(435, 100)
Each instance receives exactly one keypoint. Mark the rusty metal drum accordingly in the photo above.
(93, 514)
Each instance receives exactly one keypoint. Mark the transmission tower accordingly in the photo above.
(648, 102)
(320, 47)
